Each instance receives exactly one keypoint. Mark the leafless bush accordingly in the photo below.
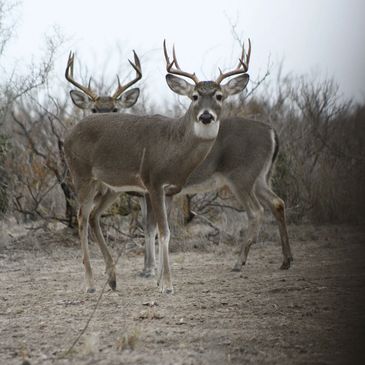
(323, 153)
(319, 171)
(14, 86)
(320, 167)
(40, 173)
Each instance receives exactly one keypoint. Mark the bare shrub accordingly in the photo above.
(320, 167)
(39, 171)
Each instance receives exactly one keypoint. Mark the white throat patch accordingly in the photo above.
(206, 131)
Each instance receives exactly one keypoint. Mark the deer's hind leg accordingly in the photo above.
(102, 201)
(149, 229)
(255, 213)
(277, 206)
(158, 205)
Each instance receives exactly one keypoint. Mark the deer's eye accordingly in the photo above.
(93, 110)
(195, 97)
(219, 97)
(115, 110)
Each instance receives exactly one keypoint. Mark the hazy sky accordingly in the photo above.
(323, 37)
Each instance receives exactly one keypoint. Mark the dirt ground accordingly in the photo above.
(311, 314)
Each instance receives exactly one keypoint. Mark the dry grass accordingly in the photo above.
(129, 340)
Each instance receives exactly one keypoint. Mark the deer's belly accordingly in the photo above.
(215, 182)
(125, 188)
(119, 182)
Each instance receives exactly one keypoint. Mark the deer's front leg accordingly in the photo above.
(157, 197)
(149, 228)
(172, 189)
(86, 196)
(101, 202)
(83, 221)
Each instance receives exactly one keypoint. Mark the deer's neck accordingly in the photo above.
(188, 149)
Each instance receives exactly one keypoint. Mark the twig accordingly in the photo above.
(222, 206)
(91, 314)
(207, 221)
(19, 208)
(257, 84)
(114, 226)
(211, 224)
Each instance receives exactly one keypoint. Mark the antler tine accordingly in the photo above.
(168, 63)
(137, 67)
(242, 65)
(137, 61)
(70, 64)
(69, 77)
(177, 70)
(174, 57)
(248, 55)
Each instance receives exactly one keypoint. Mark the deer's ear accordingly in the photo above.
(236, 85)
(129, 98)
(80, 99)
(178, 85)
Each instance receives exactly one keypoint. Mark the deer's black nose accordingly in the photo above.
(206, 117)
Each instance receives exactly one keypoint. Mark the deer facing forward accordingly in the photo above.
(153, 154)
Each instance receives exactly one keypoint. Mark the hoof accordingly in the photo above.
(165, 286)
(158, 281)
(112, 284)
(147, 274)
(90, 290)
(237, 268)
(167, 291)
(286, 264)
(112, 278)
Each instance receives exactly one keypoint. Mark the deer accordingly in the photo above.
(87, 99)
(242, 159)
(150, 154)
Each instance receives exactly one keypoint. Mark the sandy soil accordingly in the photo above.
(311, 314)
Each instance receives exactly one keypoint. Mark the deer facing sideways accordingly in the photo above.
(112, 152)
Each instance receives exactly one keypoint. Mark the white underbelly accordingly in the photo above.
(215, 182)
(125, 188)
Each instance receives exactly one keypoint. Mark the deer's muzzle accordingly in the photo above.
(206, 117)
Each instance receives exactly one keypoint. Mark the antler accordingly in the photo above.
(177, 70)
(137, 67)
(242, 65)
(69, 77)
